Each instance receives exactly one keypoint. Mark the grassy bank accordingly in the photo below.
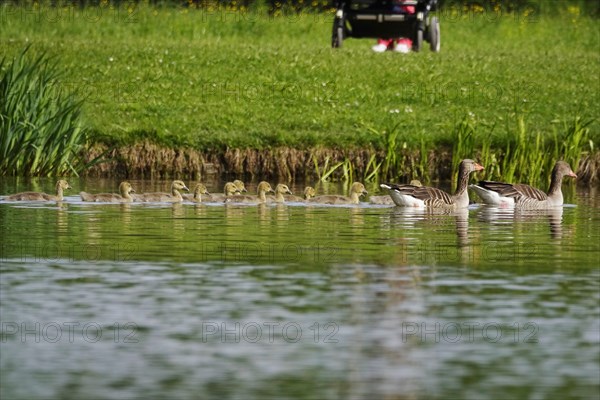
(213, 80)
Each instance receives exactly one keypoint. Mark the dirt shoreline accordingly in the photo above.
(149, 160)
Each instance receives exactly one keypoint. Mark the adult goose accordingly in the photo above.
(524, 196)
(430, 197)
(173, 197)
(280, 191)
(356, 190)
(229, 189)
(124, 195)
(199, 190)
(61, 185)
(309, 193)
(262, 190)
(387, 200)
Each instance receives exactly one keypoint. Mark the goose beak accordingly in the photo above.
(206, 192)
(185, 188)
(572, 174)
(289, 192)
(479, 167)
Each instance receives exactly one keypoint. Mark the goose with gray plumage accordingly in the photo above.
(524, 196)
(430, 197)
(387, 200)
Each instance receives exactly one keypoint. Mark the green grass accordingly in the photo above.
(228, 79)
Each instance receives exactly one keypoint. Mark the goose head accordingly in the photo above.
(230, 189)
(240, 186)
(179, 185)
(62, 185)
(467, 165)
(358, 189)
(561, 169)
(309, 192)
(282, 189)
(125, 189)
(264, 187)
(199, 190)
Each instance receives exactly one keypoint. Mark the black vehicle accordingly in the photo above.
(385, 19)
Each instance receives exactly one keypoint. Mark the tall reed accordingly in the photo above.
(41, 132)
(463, 145)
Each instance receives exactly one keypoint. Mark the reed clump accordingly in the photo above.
(41, 132)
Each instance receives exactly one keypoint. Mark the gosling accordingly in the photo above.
(124, 195)
(262, 189)
(173, 197)
(199, 190)
(356, 190)
(61, 185)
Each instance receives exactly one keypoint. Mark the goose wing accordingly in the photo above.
(514, 190)
(431, 196)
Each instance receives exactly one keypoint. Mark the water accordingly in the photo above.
(295, 302)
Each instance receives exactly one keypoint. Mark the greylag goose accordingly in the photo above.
(125, 191)
(309, 193)
(426, 196)
(229, 189)
(262, 190)
(37, 196)
(199, 190)
(356, 190)
(280, 190)
(387, 200)
(173, 197)
(524, 196)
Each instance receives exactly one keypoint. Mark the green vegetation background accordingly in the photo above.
(216, 77)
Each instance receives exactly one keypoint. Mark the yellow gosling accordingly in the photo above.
(309, 193)
(280, 191)
(173, 197)
(262, 189)
(124, 195)
(240, 186)
(199, 190)
(229, 189)
(61, 185)
(356, 190)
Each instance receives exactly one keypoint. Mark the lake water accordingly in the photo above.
(296, 302)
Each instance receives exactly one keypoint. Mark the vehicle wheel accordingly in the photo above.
(337, 36)
(418, 42)
(434, 35)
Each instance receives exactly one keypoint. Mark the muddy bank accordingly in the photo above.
(150, 161)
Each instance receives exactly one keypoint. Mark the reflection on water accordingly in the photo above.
(288, 301)
(523, 217)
